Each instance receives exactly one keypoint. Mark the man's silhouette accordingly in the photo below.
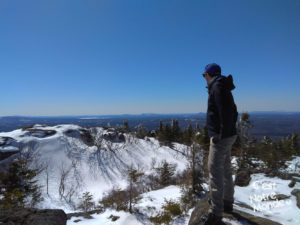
(221, 123)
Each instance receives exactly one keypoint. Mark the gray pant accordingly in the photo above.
(220, 175)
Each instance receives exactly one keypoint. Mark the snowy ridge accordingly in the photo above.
(93, 169)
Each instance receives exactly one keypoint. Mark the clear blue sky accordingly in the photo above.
(112, 57)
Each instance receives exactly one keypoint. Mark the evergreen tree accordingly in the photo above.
(244, 139)
(176, 131)
(141, 131)
(126, 126)
(87, 202)
(133, 176)
(188, 135)
(160, 131)
(197, 127)
(203, 140)
(295, 146)
(165, 136)
(165, 172)
(196, 165)
(18, 186)
(160, 127)
(167, 133)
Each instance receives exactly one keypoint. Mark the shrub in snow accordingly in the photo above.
(116, 199)
(113, 218)
(188, 198)
(171, 209)
(161, 218)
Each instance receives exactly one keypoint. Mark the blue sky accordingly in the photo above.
(116, 56)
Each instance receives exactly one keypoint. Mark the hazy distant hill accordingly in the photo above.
(274, 123)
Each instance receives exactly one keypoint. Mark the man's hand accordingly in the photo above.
(215, 139)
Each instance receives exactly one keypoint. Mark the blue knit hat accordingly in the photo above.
(212, 69)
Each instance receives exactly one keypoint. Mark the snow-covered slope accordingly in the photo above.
(149, 205)
(95, 169)
(100, 163)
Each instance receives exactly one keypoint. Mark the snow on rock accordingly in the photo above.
(262, 188)
(8, 144)
(293, 166)
(125, 218)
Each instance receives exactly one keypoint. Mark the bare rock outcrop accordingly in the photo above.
(29, 216)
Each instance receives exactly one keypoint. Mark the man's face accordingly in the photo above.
(207, 77)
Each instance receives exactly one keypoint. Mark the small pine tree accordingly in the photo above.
(188, 135)
(203, 138)
(165, 172)
(133, 176)
(204, 141)
(18, 186)
(141, 131)
(244, 139)
(196, 164)
(87, 202)
(197, 127)
(176, 131)
(160, 131)
(167, 133)
(160, 127)
(165, 136)
(126, 126)
(295, 145)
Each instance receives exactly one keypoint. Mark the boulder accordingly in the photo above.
(4, 154)
(292, 183)
(86, 215)
(239, 217)
(86, 137)
(82, 134)
(276, 197)
(280, 197)
(111, 135)
(243, 177)
(114, 136)
(8, 147)
(30, 216)
(296, 192)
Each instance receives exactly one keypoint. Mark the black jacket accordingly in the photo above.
(222, 113)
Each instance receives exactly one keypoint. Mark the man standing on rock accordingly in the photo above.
(221, 123)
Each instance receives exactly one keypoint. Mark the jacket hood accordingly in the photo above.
(225, 82)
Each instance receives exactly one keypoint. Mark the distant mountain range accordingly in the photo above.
(270, 123)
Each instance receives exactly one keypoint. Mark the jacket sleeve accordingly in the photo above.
(222, 100)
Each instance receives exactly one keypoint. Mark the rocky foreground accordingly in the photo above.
(237, 215)
(58, 217)
(33, 217)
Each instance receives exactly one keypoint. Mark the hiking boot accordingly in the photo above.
(212, 219)
(228, 206)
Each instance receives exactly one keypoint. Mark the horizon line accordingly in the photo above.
(141, 114)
